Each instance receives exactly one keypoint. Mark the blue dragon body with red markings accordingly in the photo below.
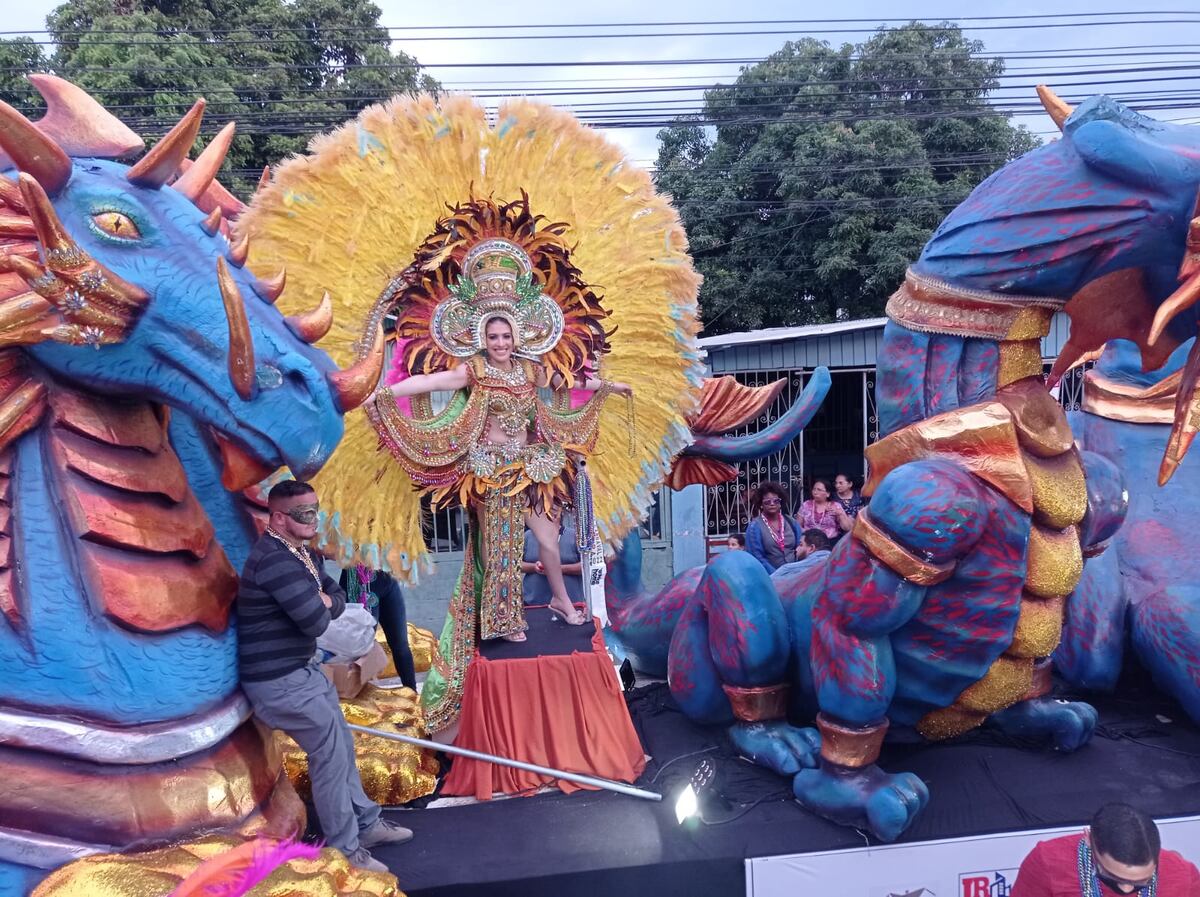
(942, 607)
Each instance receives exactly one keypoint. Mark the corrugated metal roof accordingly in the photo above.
(845, 344)
(777, 334)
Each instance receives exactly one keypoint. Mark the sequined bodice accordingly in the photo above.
(511, 396)
(511, 411)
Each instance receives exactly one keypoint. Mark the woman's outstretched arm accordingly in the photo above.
(456, 378)
(557, 382)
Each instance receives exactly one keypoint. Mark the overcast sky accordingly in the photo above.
(641, 143)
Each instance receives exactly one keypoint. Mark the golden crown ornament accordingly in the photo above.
(496, 282)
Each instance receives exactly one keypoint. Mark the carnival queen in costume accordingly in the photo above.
(518, 266)
(501, 450)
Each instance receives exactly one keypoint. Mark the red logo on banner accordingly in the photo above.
(976, 887)
(985, 884)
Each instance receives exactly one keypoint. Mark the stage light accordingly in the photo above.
(688, 803)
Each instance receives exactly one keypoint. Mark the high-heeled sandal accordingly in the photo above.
(577, 617)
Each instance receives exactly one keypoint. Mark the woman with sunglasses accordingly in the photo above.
(772, 535)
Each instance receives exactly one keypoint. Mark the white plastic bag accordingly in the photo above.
(350, 636)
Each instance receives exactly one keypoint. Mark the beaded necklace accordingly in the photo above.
(776, 537)
(1089, 883)
(358, 587)
(302, 556)
(514, 376)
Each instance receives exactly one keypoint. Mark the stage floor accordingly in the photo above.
(1144, 750)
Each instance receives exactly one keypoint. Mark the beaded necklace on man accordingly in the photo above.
(1089, 882)
(777, 537)
(302, 556)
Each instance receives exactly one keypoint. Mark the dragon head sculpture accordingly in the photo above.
(1103, 224)
(96, 292)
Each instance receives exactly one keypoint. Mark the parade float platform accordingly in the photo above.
(553, 700)
(590, 843)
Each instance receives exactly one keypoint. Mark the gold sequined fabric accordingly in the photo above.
(157, 873)
(422, 644)
(392, 773)
(1019, 443)
(424, 647)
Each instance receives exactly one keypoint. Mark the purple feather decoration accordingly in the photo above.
(268, 856)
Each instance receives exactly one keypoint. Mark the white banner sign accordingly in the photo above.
(984, 866)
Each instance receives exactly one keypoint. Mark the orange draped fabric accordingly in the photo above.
(565, 711)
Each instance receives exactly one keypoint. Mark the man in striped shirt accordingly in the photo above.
(285, 600)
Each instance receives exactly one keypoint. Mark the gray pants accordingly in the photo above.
(304, 704)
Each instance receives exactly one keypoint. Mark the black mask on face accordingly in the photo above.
(305, 515)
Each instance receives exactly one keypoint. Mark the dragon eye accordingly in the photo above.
(117, 224)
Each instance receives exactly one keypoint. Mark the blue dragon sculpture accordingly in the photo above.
(1142, 592)
(139, 394)
(942, 608)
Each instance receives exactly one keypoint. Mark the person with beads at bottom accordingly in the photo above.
(379, 592)
(1119, 854)
(284, 601)
(772, 536)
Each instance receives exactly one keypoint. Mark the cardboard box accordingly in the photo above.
(350, 678)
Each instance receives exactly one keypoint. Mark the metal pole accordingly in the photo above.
(605, 784)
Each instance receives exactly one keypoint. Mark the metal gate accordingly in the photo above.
(835, 438)
(834, 433)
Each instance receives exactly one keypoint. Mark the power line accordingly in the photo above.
(1036, 17)
(627, 35)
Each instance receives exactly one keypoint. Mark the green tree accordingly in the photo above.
(284, 70)
(17, 58)
(808, 185)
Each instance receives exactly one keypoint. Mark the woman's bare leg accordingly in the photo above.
(545, 530)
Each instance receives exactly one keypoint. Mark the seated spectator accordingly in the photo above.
(536, 586)
(821, 512)
(849, 498)
(772, 535)
(384, 599)
(813, 549)
(736, 542)
(1120, 853)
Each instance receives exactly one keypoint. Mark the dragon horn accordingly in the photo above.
(1182, 299)
(240, 250)
(32, 151)
(271, 288)
(1055, 106)
(312, 325)
(1187, 406)
(355, 384)
(241, 346)
(79, 124)
(212, 222)
(264, 178)
(196, 180)
(156, 167)
(50, 231)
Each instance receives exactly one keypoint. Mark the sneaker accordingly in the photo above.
(363, 860)
(384, 832)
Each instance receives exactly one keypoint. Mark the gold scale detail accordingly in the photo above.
(1054, 561)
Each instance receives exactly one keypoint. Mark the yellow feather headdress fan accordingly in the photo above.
(356, 217)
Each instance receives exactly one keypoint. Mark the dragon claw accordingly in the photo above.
(1065, 725)
(867, 798)
(776, 745)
